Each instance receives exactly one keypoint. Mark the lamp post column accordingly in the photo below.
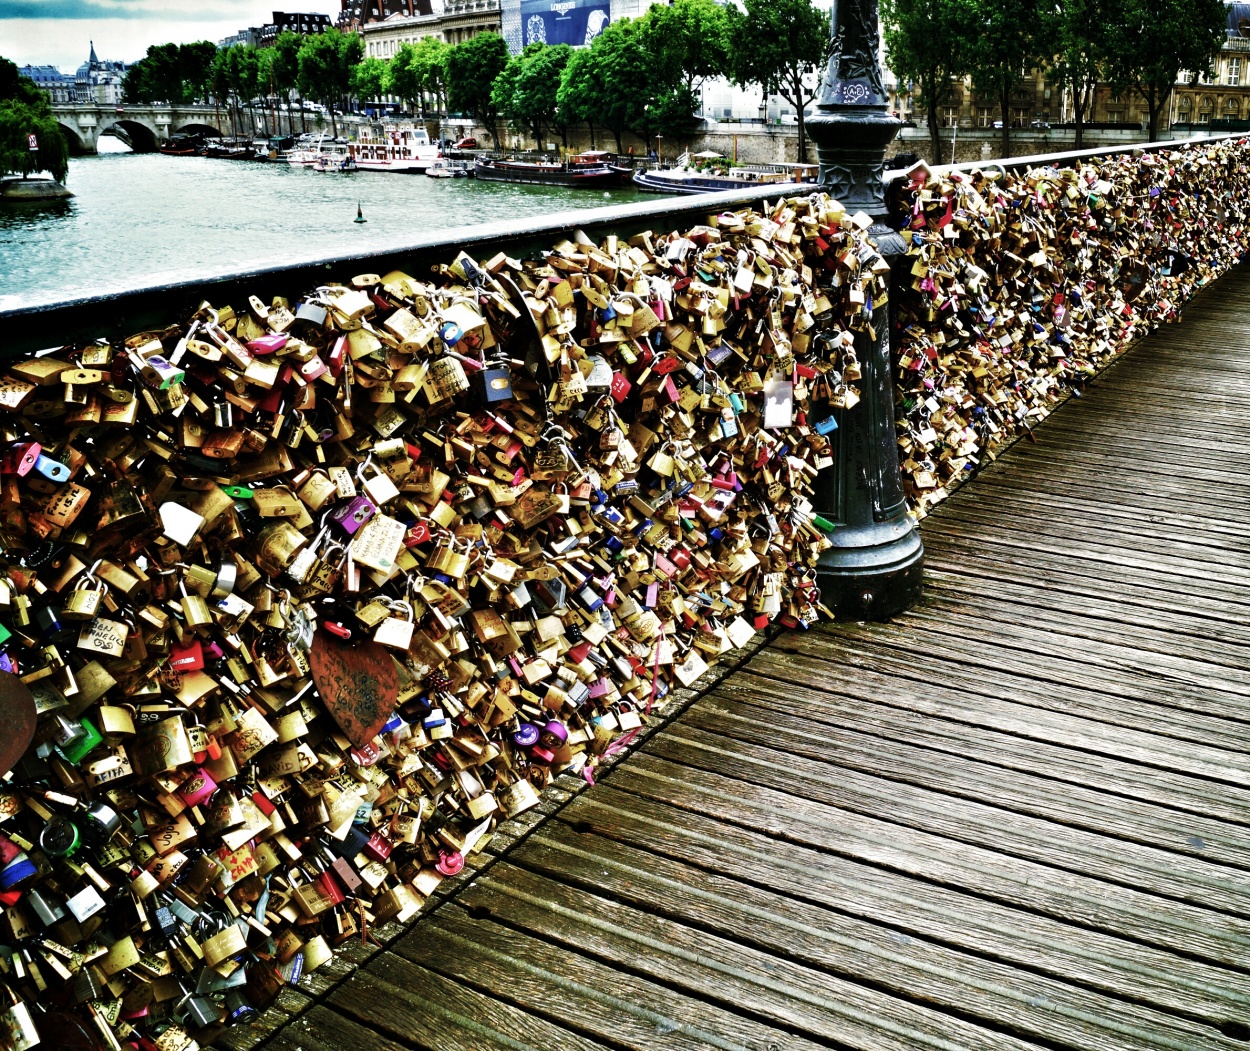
(876, 564)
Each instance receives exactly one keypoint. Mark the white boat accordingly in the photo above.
(305, 153)
(445, 169)
(394, 149)
(334, 158)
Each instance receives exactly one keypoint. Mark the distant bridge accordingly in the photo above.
(142, 128)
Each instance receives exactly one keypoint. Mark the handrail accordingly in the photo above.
(119, 311)
(112, 311)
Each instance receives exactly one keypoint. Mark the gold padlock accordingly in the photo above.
(195, 610)
(378, 486)
(84, 600)
(396, 632)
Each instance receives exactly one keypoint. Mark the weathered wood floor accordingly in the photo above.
(1018, 817)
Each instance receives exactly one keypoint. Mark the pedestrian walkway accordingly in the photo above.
(1017, 817)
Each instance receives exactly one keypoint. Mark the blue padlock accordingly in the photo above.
(450, 333)
(51, 469)
(826, 426)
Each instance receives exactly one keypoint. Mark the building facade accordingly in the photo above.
(303, 23)
(99, 81)
(58, 85)
(452, 21)
(1223, 93)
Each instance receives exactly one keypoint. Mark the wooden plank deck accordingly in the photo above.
(1016, 817)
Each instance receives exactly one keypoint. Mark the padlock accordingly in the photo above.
(84, 601)
(396, 632)
(17, 1024)
(446, 378)
(353, 514)
(448, 561)
(195, 611)
(491, 386)
(377, 485)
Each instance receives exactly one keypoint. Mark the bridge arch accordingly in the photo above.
(195, 127)
(136, 134)
(73, 139)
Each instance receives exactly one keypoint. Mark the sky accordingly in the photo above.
(59, 32)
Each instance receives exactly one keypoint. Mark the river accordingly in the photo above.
(148, 218)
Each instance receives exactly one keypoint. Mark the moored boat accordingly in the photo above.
(687, 177)
(600, 158)
(448, 169)
(403, 150)
(546, 173)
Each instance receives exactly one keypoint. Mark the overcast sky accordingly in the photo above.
(59, 32)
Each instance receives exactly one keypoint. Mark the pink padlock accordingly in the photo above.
(197, 788)
(268, 343)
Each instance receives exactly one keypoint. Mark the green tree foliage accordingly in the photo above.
(1006, 48)
(622, 87)
(527, 90)
(368, 79)
(471, 71)
(688, 41)
(580, 90)
(173, 73)
(1148, 43)
(285, 68)
(928, 43)
(1073, 30)
(24, 111)
(325, 64)
(402, 76)
(773, 43)
(429, 59)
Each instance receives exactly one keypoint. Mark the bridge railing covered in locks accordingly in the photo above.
(1021, 283)
(329, 568)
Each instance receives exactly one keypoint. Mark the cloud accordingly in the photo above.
(131, 9)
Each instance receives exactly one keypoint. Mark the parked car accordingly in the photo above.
(467, 143)
(1040, 125)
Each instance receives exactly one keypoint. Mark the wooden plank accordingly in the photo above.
(725, 971)
(1070, 896)
(911, 907)
(973, 560)
(1037, 795)
(1005, 591)
(1011, 833)
(581, 993)
(320, 1029)
(939, 726)
(1006, 651)
(1206, 661)
(1083, 719)
(810, 932)
(422, 1009)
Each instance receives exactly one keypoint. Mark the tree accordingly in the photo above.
(285, 70)
(24, 111)
(429, 60)
(773, 44)
(196, 60)
(527, 90)
(368, 79)
(471, 71)
(621, 85)
(1073, 30)
(927, 43)
(325, 63)
(687, 41)
(1006, 47)
(1148, 43)
(404, 79)
(580, 89)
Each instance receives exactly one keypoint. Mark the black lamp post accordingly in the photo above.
(875, 567)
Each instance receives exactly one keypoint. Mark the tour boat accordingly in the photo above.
(395, 149)
(546, 173)
(686, 178)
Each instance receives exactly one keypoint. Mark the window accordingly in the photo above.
(985, 117)
(1019, 117)
(1186, 103)
(1234, 71)
(950, 116)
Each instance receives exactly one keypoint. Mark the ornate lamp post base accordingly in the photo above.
(875, 567)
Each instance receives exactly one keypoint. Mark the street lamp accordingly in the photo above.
(876, 564)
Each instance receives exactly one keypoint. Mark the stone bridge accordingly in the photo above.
(142, 127)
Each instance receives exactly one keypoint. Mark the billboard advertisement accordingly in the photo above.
(575, 22)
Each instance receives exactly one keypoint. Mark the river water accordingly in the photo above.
(144, 218)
